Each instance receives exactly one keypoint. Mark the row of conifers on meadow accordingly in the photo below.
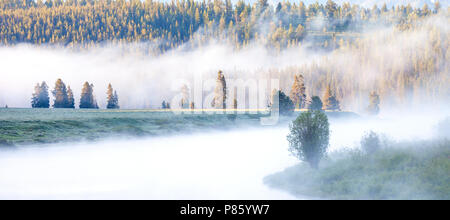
(63, 97)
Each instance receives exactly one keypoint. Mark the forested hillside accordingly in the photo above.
(399, 53)
(172, 24)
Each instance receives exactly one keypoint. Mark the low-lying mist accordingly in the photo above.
(213, 165)
(142, 81)
(225, 165)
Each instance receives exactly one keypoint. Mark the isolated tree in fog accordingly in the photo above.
(35, 96)
(220, 92)
(309, 137)
(298, 92)
(70, 98)
(60, 94)
(87, 99)
(329, 100)
(112, 98)
(281, 102)
(316, 104)
(374, 102)
(109, 97)
(40, 97)
(44, 98)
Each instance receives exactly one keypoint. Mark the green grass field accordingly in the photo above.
(30, 126)
(413, 170)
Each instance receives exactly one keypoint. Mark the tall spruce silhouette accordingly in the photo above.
(87, 99)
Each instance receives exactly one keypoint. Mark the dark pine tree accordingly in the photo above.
(113, 99)
(316, 104)
(329, 101)
(40, 97)
(285, 104)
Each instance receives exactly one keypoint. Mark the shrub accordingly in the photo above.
(370, 142)
(309, 137)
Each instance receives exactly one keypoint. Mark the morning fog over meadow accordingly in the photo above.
(224, 99)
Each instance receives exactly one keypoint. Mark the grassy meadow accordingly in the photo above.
(31, 126)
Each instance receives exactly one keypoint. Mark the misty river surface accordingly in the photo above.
(210, 165)
(214, 165)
